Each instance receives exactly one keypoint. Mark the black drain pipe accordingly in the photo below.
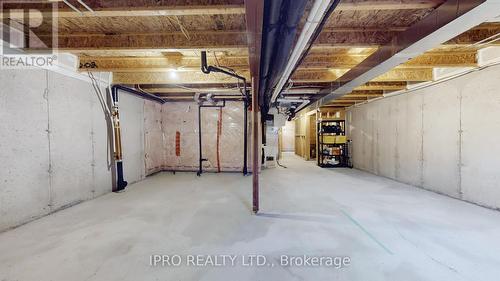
(245, 137)
(201, 159)
(205, 68)
(137, 93)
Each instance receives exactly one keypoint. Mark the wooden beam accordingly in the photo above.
(200, 40)
(340, 104)
(195, 52)
(349, 100)
(174, 77)
(451, 59)
(382, 86)
(415, 75)
(157, 64)
(129, 8)
(185, 91)
(443, 59)
(313, 62)
(366, 94)
(355, 38)
(476, 34)
(123, 8)
(388, 5)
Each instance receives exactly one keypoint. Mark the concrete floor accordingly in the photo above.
(390, 231)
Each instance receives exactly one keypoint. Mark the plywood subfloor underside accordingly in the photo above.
(390, 230)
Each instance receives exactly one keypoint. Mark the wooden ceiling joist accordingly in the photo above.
(368, 94)
(158, 64)
(175, 77)
(363, 38)
(450, 59)
(382, 86)
(168, 41)
(146, 11)
(415, 75)
(165, 63)
(387, 5)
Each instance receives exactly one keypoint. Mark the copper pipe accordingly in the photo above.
(118, 137)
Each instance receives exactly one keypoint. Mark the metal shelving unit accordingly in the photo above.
(333, 146)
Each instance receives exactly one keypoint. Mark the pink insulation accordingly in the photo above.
(183, 117)
(154, 157)
(164, 122)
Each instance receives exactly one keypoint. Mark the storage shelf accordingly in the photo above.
(343, 158)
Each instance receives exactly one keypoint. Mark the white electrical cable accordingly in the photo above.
(319, 8)
(72, 7)
(86, 6)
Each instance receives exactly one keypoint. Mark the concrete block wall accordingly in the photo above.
(442, 138)
(53, 144)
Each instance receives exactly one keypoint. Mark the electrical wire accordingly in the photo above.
(279, 164)
(72, 7)
(107, 115)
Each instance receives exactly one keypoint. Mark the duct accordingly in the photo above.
(281, 18)
(447, 21)
(319, 12)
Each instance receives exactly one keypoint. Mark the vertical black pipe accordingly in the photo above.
(199, 143)
(245, 137)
